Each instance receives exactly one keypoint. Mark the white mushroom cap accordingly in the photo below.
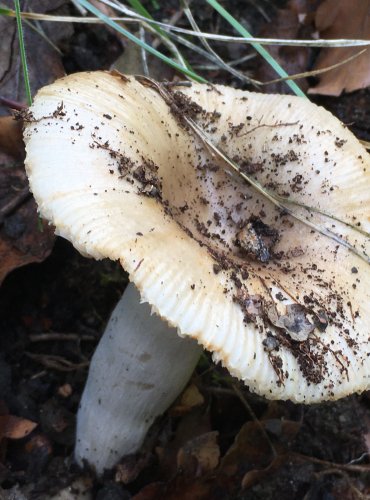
(283, 306)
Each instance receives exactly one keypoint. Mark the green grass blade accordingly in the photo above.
(140, 9)
(22, 51)
(259, 48)
(5, 12)
(133, 38)
(143, 12)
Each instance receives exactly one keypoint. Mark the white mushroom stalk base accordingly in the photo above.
(139, 368)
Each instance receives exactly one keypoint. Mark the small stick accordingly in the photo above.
(41, 337)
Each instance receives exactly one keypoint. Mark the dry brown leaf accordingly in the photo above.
(190, 398)
(343, 19)
(192, 424)
(199, 455)
(11, 141)
(21, 239)
(255, 476)
(292, 59)
(44, 62)
(12, 427)
(131, 466)
(250, 450)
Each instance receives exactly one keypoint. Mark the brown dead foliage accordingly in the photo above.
(195, 464)
(199, 455)
(343, 19)
(44, 61)
(190, 398)
(12, 427)
(11, 138)
(23, 237)
(293, 59)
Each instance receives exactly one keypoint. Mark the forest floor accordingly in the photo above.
(218, 440)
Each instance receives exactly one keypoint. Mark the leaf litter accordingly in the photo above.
(45, 62)
(343, 19)
(23, 237)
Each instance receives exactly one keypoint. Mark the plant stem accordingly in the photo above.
(22, 51)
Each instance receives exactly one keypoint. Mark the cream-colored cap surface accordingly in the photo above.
(284, 305)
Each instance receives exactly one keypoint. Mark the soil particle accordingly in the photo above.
(184, 106)
(256, 239)
(248, 167)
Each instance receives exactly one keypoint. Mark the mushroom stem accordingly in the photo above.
(139, 367)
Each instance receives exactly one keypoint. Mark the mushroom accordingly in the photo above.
(242, 220)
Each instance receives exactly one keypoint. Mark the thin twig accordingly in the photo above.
(345, 467)
(14, 203)
(4, 101)
(217, 58)
(144, 58)
(136, 18)
(64, 337)
(315, 72)
(360, 458)
(238, 39)
(56, 362)
(254, 417)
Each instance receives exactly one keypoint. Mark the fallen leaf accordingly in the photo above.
(45, 62)
(201, 454)
(254, 476)
(343, 19)
(292, 59)
(12, 427)
(251, 449)
(11, 142)
(23, 238)
(131, 466)
(191, 425)
(190, 398)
